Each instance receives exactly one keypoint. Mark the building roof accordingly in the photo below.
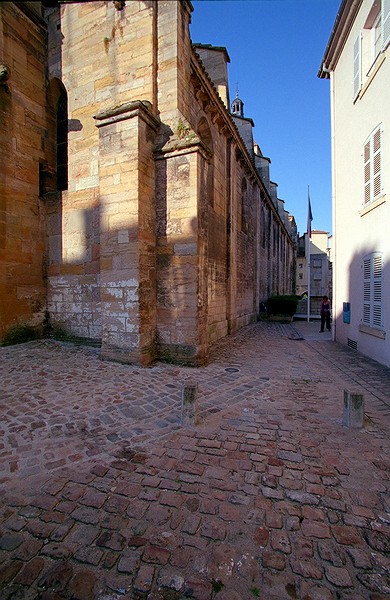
(215, 48)
(341, 29)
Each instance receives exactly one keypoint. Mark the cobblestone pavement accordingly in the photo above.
(106, 496)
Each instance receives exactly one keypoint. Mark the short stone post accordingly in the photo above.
(189, 404)
(353, 413)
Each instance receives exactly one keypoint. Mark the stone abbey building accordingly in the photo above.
(136, 211)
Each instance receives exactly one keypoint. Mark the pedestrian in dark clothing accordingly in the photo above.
(325, 313)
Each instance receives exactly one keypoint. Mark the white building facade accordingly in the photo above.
(357, 62)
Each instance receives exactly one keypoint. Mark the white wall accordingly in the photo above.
(359, 230)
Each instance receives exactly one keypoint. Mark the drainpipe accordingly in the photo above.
(333, 166)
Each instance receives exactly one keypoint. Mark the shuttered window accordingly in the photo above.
(357, 70)
(385, 23)
(372, 290)
(377, 36)
(372, 167)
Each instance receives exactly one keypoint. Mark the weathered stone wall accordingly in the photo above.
(155, 248)
(97, 282)
(178, 299)
(22, 130)
(247, 257)
(181, 222)
(215, 199)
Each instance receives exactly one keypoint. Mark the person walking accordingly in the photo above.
(325, 313)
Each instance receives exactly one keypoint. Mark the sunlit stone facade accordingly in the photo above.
(150, 227)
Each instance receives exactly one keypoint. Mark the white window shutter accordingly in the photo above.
(367, 291)
(385, 22)
(376, 164)
(367, 172)
(372, 161)
(372, 290)
(357, 78)
(377, 290)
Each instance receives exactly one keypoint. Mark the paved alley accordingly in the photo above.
(105, 495)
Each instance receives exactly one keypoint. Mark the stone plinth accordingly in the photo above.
(353, 413)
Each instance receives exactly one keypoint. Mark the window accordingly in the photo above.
(371, 42)
(372, 166)
(263, 228)
(244, 206)
(377, 36)
(275, 239)
(372, 290)
(378, 21)
(62, 142)
(204, 133)
(385, 23)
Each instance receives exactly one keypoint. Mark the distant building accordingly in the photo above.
(357, 62)
(320, 268)
(135, 211)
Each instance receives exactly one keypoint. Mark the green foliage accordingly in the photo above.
(182, 129)
(216, 585)
(19, 334)
(282, 305)
(60, 333)
(255, 592)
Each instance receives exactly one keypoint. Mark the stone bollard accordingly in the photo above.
(189, 404)
(353, 413)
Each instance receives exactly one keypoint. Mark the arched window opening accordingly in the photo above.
(244, 206)
(62, 141)
(263, 228)
(204, 133)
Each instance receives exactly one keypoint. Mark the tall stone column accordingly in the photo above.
(127, 232)
(181, 261)
(181, 219)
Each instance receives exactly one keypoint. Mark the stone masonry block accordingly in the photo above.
(353, 412)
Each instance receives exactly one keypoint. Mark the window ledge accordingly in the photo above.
(379, 333)
(371, 205)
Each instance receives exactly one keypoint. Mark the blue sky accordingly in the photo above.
(275, 49)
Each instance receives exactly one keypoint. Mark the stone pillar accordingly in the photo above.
(182, 251)
(127, 232)
(189, 404)
(353, 413)
(173, 57)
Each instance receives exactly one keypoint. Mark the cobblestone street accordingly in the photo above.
(106, 496)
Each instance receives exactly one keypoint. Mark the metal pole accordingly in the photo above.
(308, 236)
(308, 276)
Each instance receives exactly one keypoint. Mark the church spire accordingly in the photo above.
(237, 105)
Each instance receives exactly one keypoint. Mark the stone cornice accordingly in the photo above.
(177, 147)
(183, 140)
(138, 108)
(188, 6)
(30, 10)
